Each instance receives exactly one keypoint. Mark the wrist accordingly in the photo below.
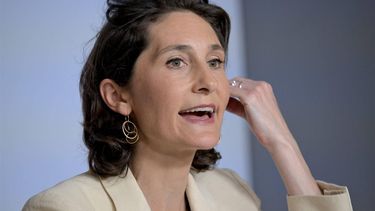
(293, 169)
(279, 143)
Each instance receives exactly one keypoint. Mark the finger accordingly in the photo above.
(239, 87)
(234, 106)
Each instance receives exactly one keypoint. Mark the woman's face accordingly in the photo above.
(179, 90)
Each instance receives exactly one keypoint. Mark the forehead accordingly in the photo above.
(182, 27)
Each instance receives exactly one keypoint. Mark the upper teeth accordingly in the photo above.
(206, 109)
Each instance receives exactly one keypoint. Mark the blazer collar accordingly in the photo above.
(195, 197)
(126, 195)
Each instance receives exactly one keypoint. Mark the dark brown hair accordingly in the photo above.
(118, 45)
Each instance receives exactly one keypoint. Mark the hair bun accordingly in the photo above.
(116, 2)
(123, 2)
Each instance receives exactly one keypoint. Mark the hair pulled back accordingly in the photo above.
(118, 44)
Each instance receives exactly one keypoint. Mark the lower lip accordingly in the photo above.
(199, 120)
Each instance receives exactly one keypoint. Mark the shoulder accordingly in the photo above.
(225, 186)
(77, 193)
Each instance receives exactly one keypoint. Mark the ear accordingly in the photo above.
(115, 97)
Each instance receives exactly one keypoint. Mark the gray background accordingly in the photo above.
(318, 55)
(320, 58)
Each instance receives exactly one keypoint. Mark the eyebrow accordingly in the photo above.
(216, 47)
(213, 47)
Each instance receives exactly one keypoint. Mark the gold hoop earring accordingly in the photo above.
(130, 131)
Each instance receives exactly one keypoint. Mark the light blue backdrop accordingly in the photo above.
(42, 48)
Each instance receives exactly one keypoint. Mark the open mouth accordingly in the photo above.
(200, 112)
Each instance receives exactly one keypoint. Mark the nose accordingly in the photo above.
(205, 81)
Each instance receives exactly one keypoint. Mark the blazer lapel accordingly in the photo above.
(196, 199)
(125, 193)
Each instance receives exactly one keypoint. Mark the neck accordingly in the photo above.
(162, 177)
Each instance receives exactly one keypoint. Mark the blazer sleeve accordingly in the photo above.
(334, 198)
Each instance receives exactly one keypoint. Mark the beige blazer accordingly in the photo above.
(214, 190)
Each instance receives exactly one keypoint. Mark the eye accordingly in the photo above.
(176, 63)
(215, 63)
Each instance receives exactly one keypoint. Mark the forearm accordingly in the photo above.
(292, 167)
(258, 105)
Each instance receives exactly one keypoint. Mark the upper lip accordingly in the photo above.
(211, 108)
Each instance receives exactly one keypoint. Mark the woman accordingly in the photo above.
(154, 90)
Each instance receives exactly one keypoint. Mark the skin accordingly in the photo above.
(257, 104)
(181, 68)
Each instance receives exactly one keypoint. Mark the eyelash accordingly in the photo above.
(170, 62)
(219, 62)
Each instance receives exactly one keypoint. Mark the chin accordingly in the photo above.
(205, 143)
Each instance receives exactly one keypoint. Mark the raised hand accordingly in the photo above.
(256, 102)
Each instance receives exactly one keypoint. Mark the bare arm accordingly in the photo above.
(255, 102)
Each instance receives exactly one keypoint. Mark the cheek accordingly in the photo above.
(156, 113)
(223, 89)
(155, 100)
